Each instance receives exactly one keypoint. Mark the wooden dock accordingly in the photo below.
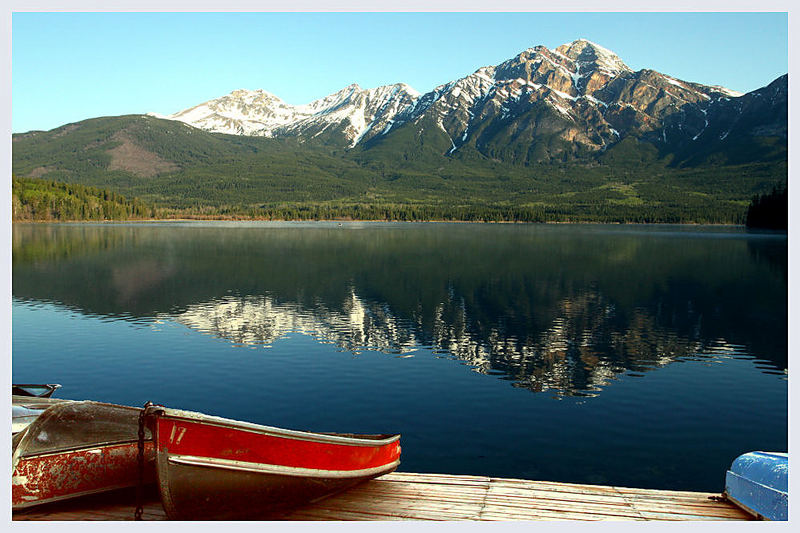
(407, 496)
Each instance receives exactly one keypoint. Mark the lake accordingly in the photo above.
(643, 356)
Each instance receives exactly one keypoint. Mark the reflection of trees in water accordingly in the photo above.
(771, 251)
(39, 243)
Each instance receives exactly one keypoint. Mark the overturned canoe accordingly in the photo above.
(65, 449)
(758, 482)
(215, 468)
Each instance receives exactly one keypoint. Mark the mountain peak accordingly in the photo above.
(592, 54)
(247, 92)
(407, 88)
(250, 96)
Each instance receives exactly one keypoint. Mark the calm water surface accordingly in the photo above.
(647, 356)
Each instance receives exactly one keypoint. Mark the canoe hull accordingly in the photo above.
(67, 449)
(758, 482)
(71, 474)
(213, 469)
(207, 493)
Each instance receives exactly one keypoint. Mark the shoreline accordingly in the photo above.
(343, 221)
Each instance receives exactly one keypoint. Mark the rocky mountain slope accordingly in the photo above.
(576, 100)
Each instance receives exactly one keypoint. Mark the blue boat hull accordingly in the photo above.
(758, 482)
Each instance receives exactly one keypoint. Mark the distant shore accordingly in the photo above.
(342, 221)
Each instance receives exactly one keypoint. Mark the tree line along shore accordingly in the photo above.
(41, 200)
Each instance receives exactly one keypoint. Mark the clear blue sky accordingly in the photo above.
(72, 66)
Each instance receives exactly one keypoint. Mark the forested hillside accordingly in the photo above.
(185, 171)
(36, 199)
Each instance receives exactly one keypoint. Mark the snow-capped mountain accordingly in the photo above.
(579, 93)
(351, 113)
(241, 112)
(576, 99)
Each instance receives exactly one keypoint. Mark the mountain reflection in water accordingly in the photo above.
(559, 309)
(581, 352)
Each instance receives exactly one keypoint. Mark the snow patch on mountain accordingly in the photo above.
(725, 90)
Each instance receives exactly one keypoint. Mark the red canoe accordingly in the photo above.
(64, 449)
(215, 468)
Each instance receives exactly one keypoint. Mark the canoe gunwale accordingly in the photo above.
(743, 507)
(53, 407)
(308, 436)
(290, 471)
(93, 446)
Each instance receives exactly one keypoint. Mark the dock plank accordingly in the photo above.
(410, 496)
